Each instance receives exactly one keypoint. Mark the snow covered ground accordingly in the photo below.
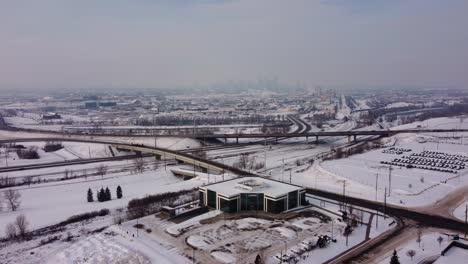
(428, 247)
(460, 211)
(49, 203)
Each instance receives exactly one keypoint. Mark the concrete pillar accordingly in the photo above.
(237, 140)
(316, 140)
(349, 139)
(354, 138)
(225, 141)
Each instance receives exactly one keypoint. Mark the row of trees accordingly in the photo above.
(104, 195)
(181, 120)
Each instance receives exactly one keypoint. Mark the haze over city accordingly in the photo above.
(56, 44)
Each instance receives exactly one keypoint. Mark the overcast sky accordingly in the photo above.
(156, 43)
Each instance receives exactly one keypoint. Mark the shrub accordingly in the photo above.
(52, 146)
(85, 216)
(29, 153)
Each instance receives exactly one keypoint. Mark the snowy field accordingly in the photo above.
(411, 187)
(49, 203)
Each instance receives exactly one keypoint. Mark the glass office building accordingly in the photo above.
(252, 194)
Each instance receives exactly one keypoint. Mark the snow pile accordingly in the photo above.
(224, 257)
(179, 229)
(285, 232)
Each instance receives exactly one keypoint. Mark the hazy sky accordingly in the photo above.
(156, 43)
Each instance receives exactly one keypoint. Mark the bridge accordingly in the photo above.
(349, 134)
(159, 153)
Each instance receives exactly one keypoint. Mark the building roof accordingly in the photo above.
(236, 186)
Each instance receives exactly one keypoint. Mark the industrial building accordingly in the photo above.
(252, 193)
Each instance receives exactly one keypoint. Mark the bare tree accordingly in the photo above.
(22, 225)
(411, 253)
(12, 198)
(28, 180)
(101, 170)
(139, 165)
(244, 162)
(10, 231)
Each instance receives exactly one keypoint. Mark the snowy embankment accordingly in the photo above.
(173, 143)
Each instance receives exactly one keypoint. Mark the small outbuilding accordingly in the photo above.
(252, 193)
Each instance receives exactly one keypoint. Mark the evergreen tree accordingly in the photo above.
(108, 194)
(90, 196)
(258, 259)
(101, 195)
(119, 192)
(394, 259)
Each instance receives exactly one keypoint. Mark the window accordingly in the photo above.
(292, 200)
(211, 199)
(202, 198)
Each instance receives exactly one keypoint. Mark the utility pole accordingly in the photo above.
(389, 180)
(282, 171)
(376, 185)
(377, 211)
(332, 229)
(222, 160)
(344, 195)
(193, 256)
(466, 217)
(385, 202)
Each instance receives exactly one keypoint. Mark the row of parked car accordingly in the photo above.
(394, 150)
(433, 160)
(410, 166)
(441, 155)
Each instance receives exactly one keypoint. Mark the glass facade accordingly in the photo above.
(303, 198)
(251, 201)
(292, 200)
(202, 198)
(228, 206)
(211, 198)
(276, 207)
